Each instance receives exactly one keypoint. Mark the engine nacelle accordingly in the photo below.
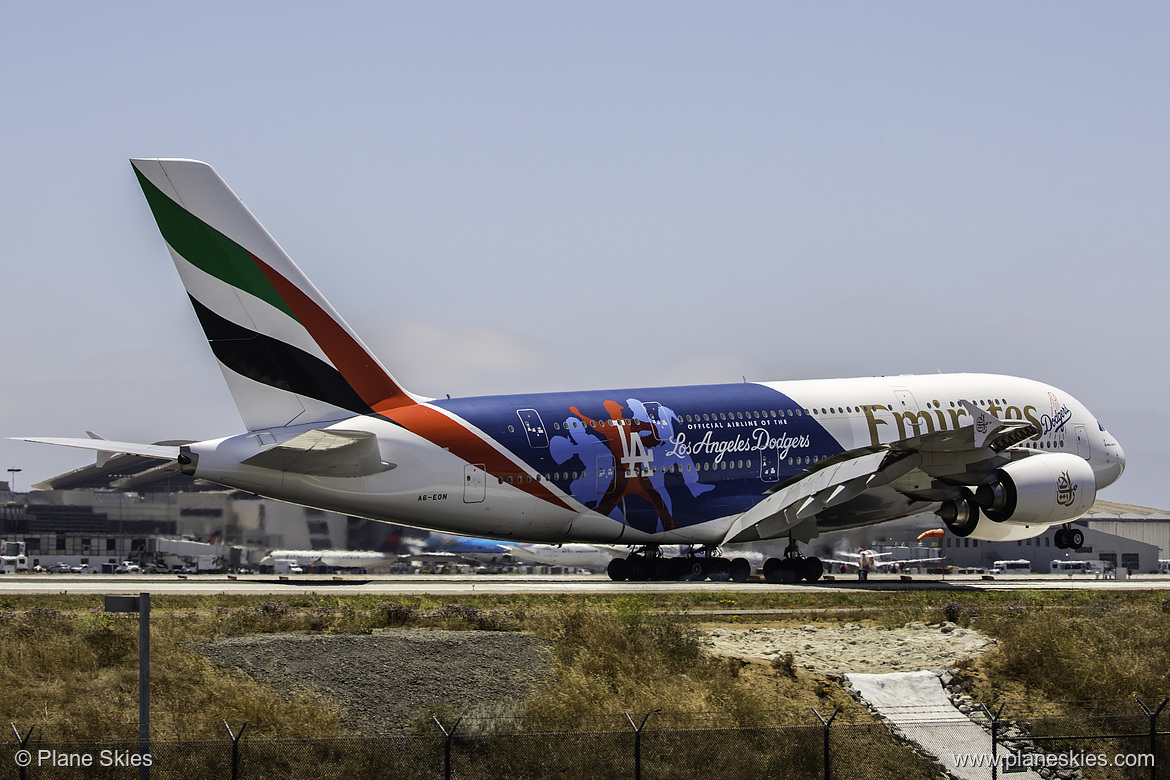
(964, 519)
(1039, 490)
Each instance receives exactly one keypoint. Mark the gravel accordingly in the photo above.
(381, 679)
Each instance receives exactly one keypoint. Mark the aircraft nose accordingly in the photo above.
(1114, 463)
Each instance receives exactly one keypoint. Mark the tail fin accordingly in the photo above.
(286, 354)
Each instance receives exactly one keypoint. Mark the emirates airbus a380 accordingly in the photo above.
(995, 457)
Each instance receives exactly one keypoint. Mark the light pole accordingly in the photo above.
(141, 605)
(12, 479)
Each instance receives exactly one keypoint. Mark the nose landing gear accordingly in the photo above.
(1069, 538)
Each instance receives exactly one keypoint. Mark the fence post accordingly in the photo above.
(994, 718)
(826, 724)
(447, 736)
(638, 742)
(1153, 716)
(235, 748)
(23, 745)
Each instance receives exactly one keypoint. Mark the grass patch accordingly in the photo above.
(1094, 653)
(67, 664)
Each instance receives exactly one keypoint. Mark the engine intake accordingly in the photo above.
(1041, 489)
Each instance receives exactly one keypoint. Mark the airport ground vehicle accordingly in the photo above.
(13, 559)
(1078, 567)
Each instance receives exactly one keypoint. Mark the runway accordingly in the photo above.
(463, 585)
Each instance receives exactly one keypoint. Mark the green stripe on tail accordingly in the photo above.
(207, 249)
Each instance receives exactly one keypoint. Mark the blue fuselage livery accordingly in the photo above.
(995, 457)
(656, 459)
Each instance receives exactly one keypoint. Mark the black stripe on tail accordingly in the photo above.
(274, 363)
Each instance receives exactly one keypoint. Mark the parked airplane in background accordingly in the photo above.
(869, 560)
(447, 549)
(356, 560)
(996, 457)
(574, 556)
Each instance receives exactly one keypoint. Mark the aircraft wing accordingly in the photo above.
(855, 564)
(845, 477)
(325, 453)
(838, 481)
(907, 561)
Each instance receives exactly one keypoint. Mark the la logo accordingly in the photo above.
(633, 450)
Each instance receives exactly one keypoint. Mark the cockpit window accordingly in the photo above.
(1102, 427)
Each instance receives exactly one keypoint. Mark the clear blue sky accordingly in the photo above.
(778, 191)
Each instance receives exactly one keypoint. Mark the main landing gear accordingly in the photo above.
(649, 564)
(1069, 538)
(793, 567)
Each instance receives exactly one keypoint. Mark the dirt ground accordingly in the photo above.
(833, 650)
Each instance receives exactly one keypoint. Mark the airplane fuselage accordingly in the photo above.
(661, 465)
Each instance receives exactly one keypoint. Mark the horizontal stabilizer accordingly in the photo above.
(102, 446)
(325, 453)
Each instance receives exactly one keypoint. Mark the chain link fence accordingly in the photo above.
(646, 746)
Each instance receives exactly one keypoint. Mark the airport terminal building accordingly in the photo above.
(132, 509)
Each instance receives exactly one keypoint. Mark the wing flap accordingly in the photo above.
(797, 501)
(325, 453)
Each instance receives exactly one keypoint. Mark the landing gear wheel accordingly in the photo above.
(696, 569)
(720, 569)
(741, 569)
(659, 569)
(772, 570)
(617, 570)
(1061, 539)
(811, 569)
(790, 570)
(678, 569)
(1075, 538)
(636, 568)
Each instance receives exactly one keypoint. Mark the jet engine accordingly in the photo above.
(964, 519)
(1039, 490)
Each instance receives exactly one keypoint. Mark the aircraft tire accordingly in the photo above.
(741, 569)
(790, 570)
(1075, 538)
(811, 569)
(680, 570)
(636, 570)
(659, 568)
(617, 570)
(720, 569)
(772, 570)
(696, 569)
(1061, 539)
